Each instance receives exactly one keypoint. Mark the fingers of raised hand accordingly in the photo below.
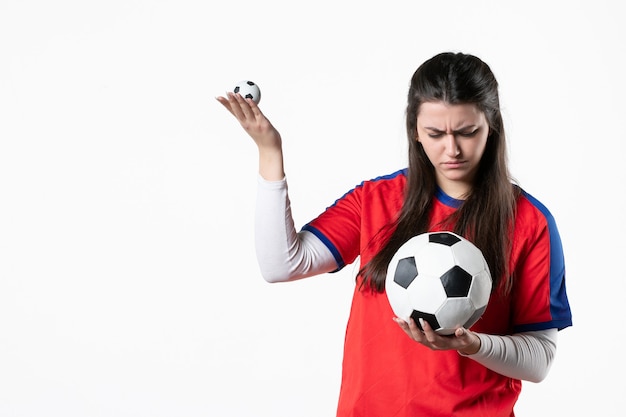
(235, 104)
(244, 109)
(226, 103)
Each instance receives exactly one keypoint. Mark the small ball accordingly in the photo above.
(248, 89)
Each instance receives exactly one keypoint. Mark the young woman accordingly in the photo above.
(457, 179)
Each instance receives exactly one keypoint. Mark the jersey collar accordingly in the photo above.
(446, 199)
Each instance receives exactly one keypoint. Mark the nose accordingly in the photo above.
(452, 146)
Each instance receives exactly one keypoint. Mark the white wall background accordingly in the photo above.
(128, 282)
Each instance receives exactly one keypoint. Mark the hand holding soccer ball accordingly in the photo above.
(242, 103)
(441, 278)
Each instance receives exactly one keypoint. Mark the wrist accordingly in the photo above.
(473, 347)
(271, 164)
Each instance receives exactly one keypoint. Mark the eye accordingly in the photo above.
(435, 135)
(468, 134)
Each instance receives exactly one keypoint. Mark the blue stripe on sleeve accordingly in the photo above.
(329, 245)
(559, 304)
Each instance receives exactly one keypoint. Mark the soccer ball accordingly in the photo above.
(248, 89)
(440, 277)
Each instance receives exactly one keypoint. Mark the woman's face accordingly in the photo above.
(454, 137)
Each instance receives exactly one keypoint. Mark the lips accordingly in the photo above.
(454, 164)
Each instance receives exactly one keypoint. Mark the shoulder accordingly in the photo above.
(381, 184)
(531, 210)
(529, 201)
(534, 221)
(395, 179)
(385, 190)
(382, 191)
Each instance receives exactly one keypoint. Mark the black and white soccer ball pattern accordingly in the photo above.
(248, 89)
(440, 277)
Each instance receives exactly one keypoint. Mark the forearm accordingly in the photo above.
(271, 165)
(526, 356)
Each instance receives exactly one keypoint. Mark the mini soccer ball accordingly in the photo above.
(248, 89)
(440, 277)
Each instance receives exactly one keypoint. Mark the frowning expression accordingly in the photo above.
(454, 137)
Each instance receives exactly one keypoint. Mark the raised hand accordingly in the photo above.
(261, 130)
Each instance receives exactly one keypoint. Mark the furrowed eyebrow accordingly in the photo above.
(460, 130)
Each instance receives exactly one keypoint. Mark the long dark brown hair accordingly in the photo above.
(486, 215)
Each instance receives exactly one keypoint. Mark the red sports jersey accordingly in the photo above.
(385, 373)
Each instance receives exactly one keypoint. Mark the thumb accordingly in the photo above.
(472, 340)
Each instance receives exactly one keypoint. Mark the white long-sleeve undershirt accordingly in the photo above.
(287, 255)
(283, 253)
